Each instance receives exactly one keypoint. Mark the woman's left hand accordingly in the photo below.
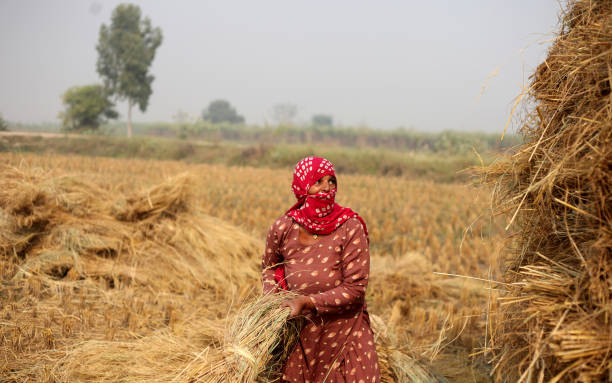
(299, 306)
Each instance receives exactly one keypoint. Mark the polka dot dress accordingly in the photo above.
(337, 344)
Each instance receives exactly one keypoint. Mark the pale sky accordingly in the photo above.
(384, 64)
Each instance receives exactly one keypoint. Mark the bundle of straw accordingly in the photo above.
(169, 198)
(256, 345)
(260, 338)
(554, 322)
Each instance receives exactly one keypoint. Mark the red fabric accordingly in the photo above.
(317, 213)
(279, 277)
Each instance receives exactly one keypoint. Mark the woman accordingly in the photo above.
(319, 249)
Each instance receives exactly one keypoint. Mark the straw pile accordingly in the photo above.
(554, 322)
(83, 265)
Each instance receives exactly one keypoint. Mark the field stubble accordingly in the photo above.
(127, 269)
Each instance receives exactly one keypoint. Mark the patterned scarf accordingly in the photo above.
(317, 213)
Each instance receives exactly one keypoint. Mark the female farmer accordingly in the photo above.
(319, 249)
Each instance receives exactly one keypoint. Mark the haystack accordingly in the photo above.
(554, 322)
(84, 268)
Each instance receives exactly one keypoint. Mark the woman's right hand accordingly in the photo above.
(299, 306)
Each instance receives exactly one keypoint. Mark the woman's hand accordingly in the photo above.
(299, 306)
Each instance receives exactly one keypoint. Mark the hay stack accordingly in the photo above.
(84, 268)
(554, 322)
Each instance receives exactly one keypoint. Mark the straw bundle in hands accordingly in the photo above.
(554, 322)
(261, 337)
(256, 344)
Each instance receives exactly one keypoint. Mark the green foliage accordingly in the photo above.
(220, 111)
(3, 124)
(87, 107)
(126, 50)
(322, 120)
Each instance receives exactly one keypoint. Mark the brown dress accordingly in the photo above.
(337, 343)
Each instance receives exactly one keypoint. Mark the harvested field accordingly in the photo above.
(127, 270)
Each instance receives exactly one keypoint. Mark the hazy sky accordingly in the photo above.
(389, 63)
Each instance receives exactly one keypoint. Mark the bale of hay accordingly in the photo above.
(553, 323)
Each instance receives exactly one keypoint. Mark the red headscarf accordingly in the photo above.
(317, 213)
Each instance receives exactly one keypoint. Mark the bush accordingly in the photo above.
(86, 108)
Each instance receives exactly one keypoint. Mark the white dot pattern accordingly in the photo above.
(338, 343)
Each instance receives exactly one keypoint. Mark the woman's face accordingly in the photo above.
(324, 184)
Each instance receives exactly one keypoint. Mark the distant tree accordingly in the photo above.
(3, 124)
(126, 50)
(322, 120)
(86, 108)
(221, 111)
(284, 113)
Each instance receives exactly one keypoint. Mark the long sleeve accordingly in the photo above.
(272, 256)
(355, 268)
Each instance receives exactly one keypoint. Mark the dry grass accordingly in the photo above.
(554, 320)
(258, 341)
(119, 263)
(75, 269)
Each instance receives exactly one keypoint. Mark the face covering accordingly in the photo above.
(317, 213)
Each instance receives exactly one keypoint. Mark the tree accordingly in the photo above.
(322, 120)
(284, 113)
(3, 124)
(87, 107)
(221, 111)
(126, 50)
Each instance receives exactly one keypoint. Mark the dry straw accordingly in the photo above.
(88, 273)
(554, 321)
(256, 344)
(260, 338)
